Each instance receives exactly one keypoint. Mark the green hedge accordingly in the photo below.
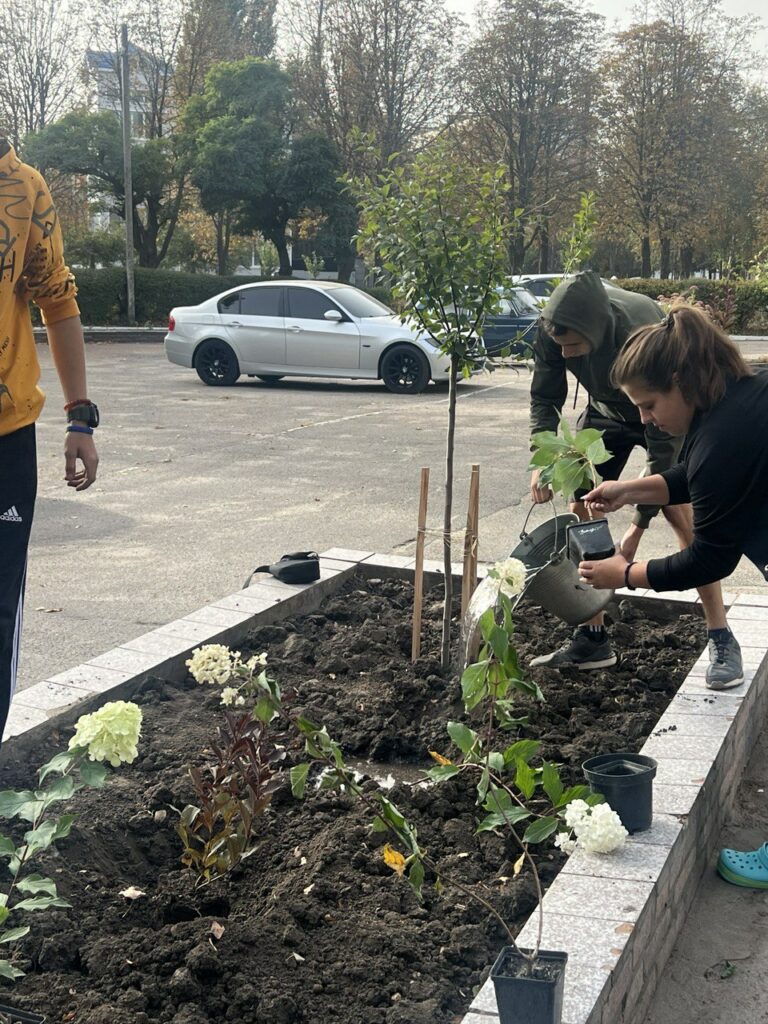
(750, 300)
(102, 293)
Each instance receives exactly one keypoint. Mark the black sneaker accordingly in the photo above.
(581, 651)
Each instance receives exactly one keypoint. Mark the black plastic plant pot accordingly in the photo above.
(626, 782)
(525, 994)
(10, 1015)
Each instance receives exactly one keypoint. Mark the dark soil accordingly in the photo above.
(316, 929)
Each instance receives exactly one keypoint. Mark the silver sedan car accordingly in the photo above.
(276, 329)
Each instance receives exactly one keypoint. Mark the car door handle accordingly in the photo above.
(235, 323)
(295, 328)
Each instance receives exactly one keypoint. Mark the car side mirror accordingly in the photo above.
(334, 315)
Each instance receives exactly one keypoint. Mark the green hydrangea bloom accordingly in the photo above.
(110, 734)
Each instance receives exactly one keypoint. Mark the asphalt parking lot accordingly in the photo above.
(198, 485)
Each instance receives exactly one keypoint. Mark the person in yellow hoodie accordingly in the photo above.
(32, 268)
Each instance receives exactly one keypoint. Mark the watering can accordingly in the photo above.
(553, 580)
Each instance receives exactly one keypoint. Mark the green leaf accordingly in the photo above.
(13, 934)
(441, 772)
(63, 788)
(482, 786)
(487, 623)
(525, 780)
(7, 848)
(473, 682)
(37, 883)
(416, 876)
(539, 830)
(7, 970)
(573, 793)
(41, 903)
(550, 778)
(4, 913)
(93, 773)
(522, 750)
(63, 826)
(59, 763)
(499, 642)
(462, 736)
(299, 780)
(12, 803)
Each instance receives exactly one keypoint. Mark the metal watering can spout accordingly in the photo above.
(553, 581)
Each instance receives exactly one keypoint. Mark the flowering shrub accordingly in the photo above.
(236, 787)
(217, 664)
(511, 574)
(110, 734)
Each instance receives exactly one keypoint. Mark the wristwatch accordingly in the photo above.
(84, 412)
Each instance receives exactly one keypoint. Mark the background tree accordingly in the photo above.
(38, 63)
(250, 156)
(530, 83)
(373, 66)
(91, 145)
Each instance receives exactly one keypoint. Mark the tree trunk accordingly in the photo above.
(222, 253)
(278, 239)
(686, 261)
(665, 262)
(544, 249)
(645, 256)
(445, 646)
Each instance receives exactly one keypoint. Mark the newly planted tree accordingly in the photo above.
(439, 230)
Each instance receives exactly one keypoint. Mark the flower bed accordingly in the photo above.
(315, 926)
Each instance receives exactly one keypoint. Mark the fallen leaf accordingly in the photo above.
(309, 889)
(298, 958)
(439, 757)
(518, 866)
(394, 859)
(160, 816)
(42, 608)
(217, 930)
(132, 893)
(624, 929)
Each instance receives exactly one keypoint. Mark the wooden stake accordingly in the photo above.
(418, 579)
(469, 572)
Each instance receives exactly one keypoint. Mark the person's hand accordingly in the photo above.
(80, 447)
(539, 495)
(606, 497)
(604, 574)
(631, 541)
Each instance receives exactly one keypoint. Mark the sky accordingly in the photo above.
(618, 13)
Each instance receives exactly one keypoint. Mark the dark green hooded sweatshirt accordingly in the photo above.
(606, 316)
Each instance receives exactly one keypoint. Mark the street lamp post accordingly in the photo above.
(128, 176)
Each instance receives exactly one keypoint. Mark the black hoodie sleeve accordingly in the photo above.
(549, 386)
(721, 484)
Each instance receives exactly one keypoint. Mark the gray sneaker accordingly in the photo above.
(725, 666)
(581, 651)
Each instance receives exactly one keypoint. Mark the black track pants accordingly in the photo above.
(18, 487)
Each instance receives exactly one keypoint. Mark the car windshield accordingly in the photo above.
(358, 303)
(526, 301)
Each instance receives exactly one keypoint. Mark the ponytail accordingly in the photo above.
(687, 349)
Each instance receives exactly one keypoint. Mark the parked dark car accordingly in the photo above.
(514, 326)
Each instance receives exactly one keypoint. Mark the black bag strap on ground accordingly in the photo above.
(297, 567)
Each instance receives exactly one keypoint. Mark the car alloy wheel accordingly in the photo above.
(216, 363)
(405, 370)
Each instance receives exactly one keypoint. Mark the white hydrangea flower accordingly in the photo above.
(212, 664)
(511, 575)
(229, 696)
(257, 661)
(575, 812)
(111, 733)
(600, 830)
(564, 841)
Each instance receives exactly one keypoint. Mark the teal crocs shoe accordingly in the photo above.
(747, 869)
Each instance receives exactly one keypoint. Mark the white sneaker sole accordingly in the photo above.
(581, 665)
(725, 686)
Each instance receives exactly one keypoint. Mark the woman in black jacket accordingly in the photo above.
(686, 376)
